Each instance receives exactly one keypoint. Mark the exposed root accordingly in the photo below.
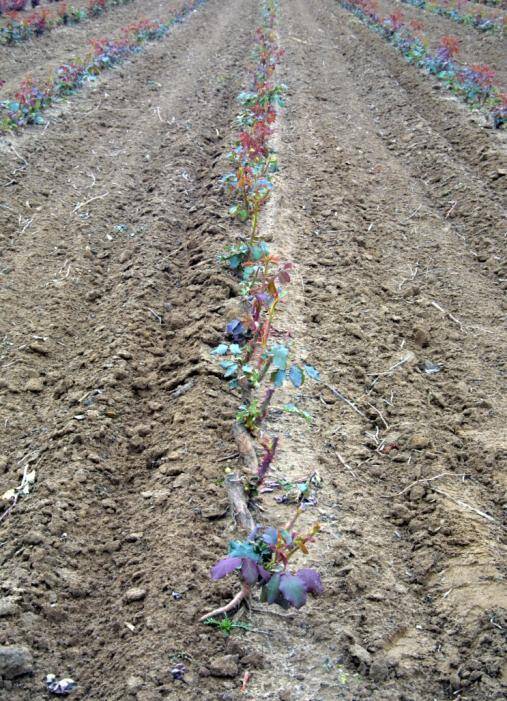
(233, 603)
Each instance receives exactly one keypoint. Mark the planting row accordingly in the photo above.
(457, 13)
(19, 5)
(256, 354)
(474, 84)
(29, 102)
(17, 28)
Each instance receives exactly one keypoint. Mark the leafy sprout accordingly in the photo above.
(226, 625)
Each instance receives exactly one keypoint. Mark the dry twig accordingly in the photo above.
(468, 507)
(344, 399)
(92, 199)
(424, 479)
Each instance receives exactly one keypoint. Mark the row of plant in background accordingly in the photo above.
(20, 5)
(28, 104)
(473, 84)
(256, 357)
(458, 13)
(17, 28)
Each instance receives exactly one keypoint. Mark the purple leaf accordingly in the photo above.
(265, 575)
(264, 299)
(235, 329)
(293, 589)
(270, 536)
(225, 567)
(253, 534)
(311, 580)
(249, 571)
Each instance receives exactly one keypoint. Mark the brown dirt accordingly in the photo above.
(127, 420)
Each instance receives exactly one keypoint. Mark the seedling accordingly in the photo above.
(263, 561)
(226, 625)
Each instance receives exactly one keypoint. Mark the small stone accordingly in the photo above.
(255, 660)
(215, 510)
(155, 406)
(419, 441)
(34, 384)
(134, 594)
(133, 537)
(124, 354)
(15, 661)
(38, 348)
(170, 470)
(8, 606)
(154, 456)
(182, 480)
(361, 656)
(401, 514)
(141, 383)
(92, 295)
(421, 337)
(285, 695)
(142, 430)
(134, 683)
(33, 538)
(454, 680)
(379, 669)
(224, 666)
(417, 492)
(111, 546)
(354, 330)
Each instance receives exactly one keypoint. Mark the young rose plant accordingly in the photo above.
(262, 561)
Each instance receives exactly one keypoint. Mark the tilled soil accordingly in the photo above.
(389, 201)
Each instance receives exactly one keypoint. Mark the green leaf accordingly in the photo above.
(296, 376)
(293, 409)
(237, 548)
(231, 371)
(312, 372)
(259, 251)
(220, 349)
(272, 588)
(280, 355)
(278, 377)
